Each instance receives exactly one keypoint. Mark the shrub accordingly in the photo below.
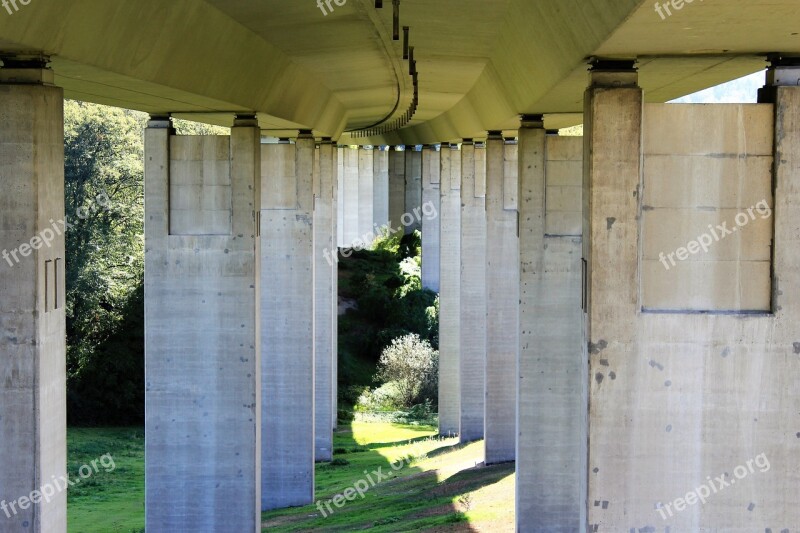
(411, 364)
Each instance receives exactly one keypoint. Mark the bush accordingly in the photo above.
(412, 365)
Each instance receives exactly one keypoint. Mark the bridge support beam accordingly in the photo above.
(450, 291)
(397, 186)
(473, 291)
(551, 442)
(413, 194)
(502, 299)
(287, 317)
(201, 346)
(325, 299)
(431, 169)
(32, 320)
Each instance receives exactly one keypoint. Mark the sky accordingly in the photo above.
(741, 91)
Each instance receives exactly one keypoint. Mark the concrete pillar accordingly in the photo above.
(340, 196)
(397, 186)
(32, 324)
(551, 412)
(473, 291)
(413, 177)
(201, 344)
(287, 318)
(450, 291)
(380, 191)
(431, 170)
(350, 196)
(325, 299)
(366, 212)
(502, 300)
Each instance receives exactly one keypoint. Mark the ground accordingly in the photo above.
(436, 485)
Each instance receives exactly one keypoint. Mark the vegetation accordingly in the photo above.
(388, 302)
(412, 365)
(431, 490)
(108, 500)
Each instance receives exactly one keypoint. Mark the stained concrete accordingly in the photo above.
(450, 291)
(431, 171)
(325, 300)
(32, 320)
(201, 347)
(472, 360)
(502, 301)
(287, 324)
(551, 442)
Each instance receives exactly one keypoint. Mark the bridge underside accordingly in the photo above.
(619, 311)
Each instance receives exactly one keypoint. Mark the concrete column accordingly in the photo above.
(413, 177)
(450, 291)
(201, 344)
(287, 318)
(340, 196)
(473, 291)
(380, 191)
(502, 300)
(325, 316)
(32, 324)
(551, 412)
(397, 186)
(366, 212)
(431, 170)
(350, 196)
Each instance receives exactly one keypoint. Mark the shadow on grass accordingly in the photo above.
(398, 496)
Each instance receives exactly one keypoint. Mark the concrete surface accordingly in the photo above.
(431, 171)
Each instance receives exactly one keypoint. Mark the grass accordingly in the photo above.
(440, 485)
(109, 500)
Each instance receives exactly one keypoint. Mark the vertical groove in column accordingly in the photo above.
(431, 163)
(473, 292)
(287, 326)
(450, 292)
(502, 304)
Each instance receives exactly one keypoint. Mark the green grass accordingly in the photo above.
(439, 488)
(108, 501)
(428, 492)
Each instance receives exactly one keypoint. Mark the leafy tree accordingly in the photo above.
(104, 205)
(412, 365)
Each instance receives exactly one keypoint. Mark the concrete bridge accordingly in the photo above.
(619, 312)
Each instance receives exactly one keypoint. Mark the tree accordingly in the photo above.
(413, 365)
